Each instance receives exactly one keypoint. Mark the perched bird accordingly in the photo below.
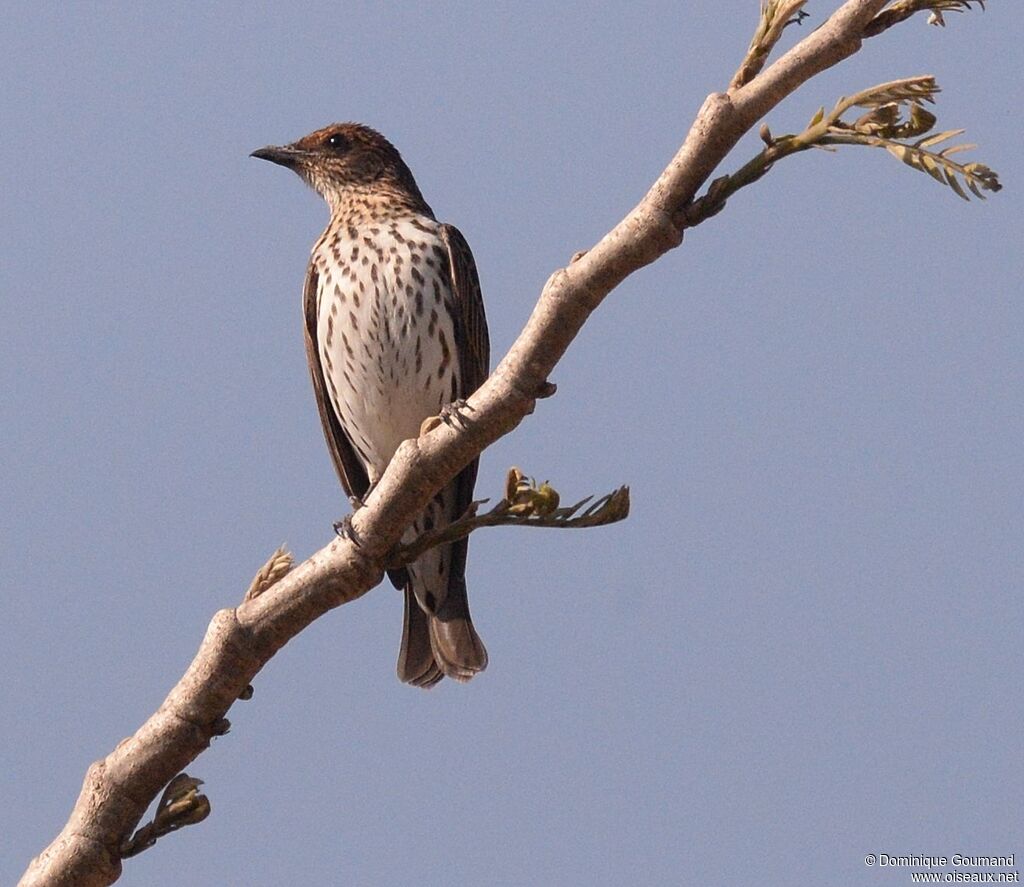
(395, 334)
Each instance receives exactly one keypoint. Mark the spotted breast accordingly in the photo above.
(385, 332)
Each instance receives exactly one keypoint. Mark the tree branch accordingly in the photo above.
(240, 641)
(526, 504)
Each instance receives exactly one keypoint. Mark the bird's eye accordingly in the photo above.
(336, 142)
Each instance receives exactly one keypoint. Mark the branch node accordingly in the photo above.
(545, 390)
(668, 228)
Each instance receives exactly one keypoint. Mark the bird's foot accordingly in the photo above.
(456, 412)
(346, 531)
(344, 527)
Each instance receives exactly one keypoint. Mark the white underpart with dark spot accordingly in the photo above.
(384, 334)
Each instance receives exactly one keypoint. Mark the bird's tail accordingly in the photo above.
(416, 662)
(453, 639)
(438, 637)
(442, 642)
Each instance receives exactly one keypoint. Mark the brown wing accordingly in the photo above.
(346, 462)
(474, 353)
(468, 309)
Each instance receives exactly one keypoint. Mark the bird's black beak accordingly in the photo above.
(285, 155)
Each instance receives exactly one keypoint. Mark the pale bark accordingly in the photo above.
(240, 641)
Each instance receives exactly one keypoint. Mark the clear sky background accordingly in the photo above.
(804, 645)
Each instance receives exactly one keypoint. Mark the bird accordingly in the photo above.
(395, 333)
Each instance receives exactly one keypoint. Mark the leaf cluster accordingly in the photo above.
(895, 115)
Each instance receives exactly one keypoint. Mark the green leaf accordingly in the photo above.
(954, 183)
(938, 138)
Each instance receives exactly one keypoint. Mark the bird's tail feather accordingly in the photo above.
(441, 643)
(416, 663)
(455, 644)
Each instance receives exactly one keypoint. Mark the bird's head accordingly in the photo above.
(345, 159)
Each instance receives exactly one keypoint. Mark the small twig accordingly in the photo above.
(776, 16)
(901, 10)
(530, 505)
(895, 112)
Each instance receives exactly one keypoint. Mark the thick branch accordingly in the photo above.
(240, 641)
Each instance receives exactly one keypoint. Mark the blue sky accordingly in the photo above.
(804, 644)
